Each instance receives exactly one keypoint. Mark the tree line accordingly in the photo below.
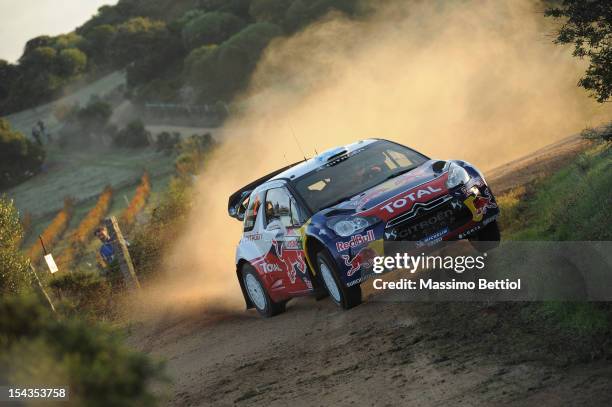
(209, 46)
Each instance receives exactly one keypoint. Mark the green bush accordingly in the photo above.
(166, 142)
(573, 204)
(219, 72)
(86, 125)
(137, 38)
(20, 158)
(36, 348)
(98, 43)
(71, 62)
(134, 135)
(239, 8)
(15, 275)
(150, 240)
(272, 11)
(193, 152)
(599, 135)
(82, 293)
(210, 28)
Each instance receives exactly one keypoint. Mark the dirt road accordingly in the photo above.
(380, 353)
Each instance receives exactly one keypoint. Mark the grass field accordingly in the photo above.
(571, 205)
(24, 120)
(83, 175)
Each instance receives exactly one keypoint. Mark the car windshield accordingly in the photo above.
(365, 168)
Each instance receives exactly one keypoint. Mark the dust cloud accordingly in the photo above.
(476, 80)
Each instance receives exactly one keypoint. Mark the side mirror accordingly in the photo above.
(238, 212)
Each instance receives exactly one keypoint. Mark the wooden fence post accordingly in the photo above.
(42, 289)
(122, 253)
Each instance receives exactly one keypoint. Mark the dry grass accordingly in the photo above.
(137, 203)
(53, 232)
(83, 231)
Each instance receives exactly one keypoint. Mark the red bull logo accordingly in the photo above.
(356, 240)
(478, 205)
(365, 258)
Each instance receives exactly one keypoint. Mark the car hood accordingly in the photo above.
(380, 193)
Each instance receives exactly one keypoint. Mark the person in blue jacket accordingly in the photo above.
(107, 251)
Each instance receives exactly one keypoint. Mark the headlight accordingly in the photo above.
(456, 176)
(350, 226)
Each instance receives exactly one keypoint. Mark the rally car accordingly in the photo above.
(314, 227)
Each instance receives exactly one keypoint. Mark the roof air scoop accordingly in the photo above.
(438, 166)
(332, 154)
(339, 154)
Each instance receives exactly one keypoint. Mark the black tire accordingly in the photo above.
(345, 297)
(264, 305)
(487, 238)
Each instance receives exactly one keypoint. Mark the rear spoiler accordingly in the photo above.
(235, 207)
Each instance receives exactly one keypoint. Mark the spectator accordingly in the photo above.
(107, 250)
(36, 135)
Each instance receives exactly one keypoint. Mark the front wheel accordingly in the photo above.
(487, 238)
(345, 297)
(258, 295)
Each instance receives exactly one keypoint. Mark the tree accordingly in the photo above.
(588, 25)
(217, 72)
(272, 11)
(37, 42)
(98, 42)
(71, 62)
(87, 125)
(239, 55)
(238, 8)
(15, 275)
(20, 158)
(137, 38)
(70, 40)
(200, 65)
(297, 16)
(39, 59)
(134, 135)
(210, 28)
(8, 75)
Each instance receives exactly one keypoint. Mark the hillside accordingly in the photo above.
(194, 52)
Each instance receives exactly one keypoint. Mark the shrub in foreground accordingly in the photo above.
(14, 267)
(20, 158)
(36, 348)
(82, 293)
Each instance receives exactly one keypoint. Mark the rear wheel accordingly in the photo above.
(258, 295)
(487, 238)
(345, 297)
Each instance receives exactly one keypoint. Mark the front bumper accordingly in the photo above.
(458, 215)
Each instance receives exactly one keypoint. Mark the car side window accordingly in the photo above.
(250, 216)
(281, 206)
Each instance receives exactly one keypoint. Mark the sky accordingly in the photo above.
(25, 19)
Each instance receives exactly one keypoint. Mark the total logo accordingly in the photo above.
(271, 267)
(399, 203)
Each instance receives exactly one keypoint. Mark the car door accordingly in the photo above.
(286, 262)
